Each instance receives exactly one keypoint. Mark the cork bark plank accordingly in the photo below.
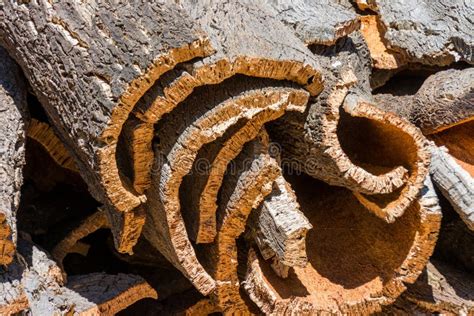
(337, 280)
(433, 33)
(13, 124)
(107, 55)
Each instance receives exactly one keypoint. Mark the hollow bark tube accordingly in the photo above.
(382, 258)
(13, 124)
(107, 58)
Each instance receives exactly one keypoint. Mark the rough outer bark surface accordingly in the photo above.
(443, 289)
(91, 224)
(321, 287)
(107, 54)
(429, 32)
(200, 120)
(280, 227)
(316, 22)
(455, 183)
(13, 125)
(13, 299)
(44, 134)
(34, 282)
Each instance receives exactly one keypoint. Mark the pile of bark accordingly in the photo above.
(236, 157)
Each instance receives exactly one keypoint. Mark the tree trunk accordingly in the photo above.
(13, 124)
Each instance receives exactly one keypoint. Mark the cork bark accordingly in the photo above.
(352, 268)
(13, 124)
(108, 58)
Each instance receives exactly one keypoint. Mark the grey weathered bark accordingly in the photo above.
(443, 289)
(107, 58)
(42, 133)
(236, 53)
(428, 32)
(455, 183)
(279, 227)
(357, 262)
(35, 283)
(445, 99)
(13, 125)
(345, 140)
(316, 22)
(443, 108)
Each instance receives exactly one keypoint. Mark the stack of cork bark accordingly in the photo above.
(238, 157)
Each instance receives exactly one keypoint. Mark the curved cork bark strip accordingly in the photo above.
(348, 142)
(205, 187)
(443, 289)
(406, 145)
(107, 59)
(13, 299)
(200, 120)
(243, 190)
(357, 263)
(279, 227)
(91, 224)
(316, 22)
(13, 121)
(433, 33)
(44, 134)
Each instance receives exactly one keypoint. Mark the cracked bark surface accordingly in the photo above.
(108, 59)
(443, 109)
(35, 283)
(327, 142)
(373, 273)
(13, 124)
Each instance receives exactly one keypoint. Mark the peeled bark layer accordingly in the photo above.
(42, 133)
(13, 125)
(347, 141)
(108, 58)
(357, 263)
(316, 22)
(433, 33)
(35, 283)
(443, 289)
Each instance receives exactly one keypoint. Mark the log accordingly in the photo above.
(443, 289)
(13, 124)
(107, 59)
(357, 262)
(432, 33)
(13, 299)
